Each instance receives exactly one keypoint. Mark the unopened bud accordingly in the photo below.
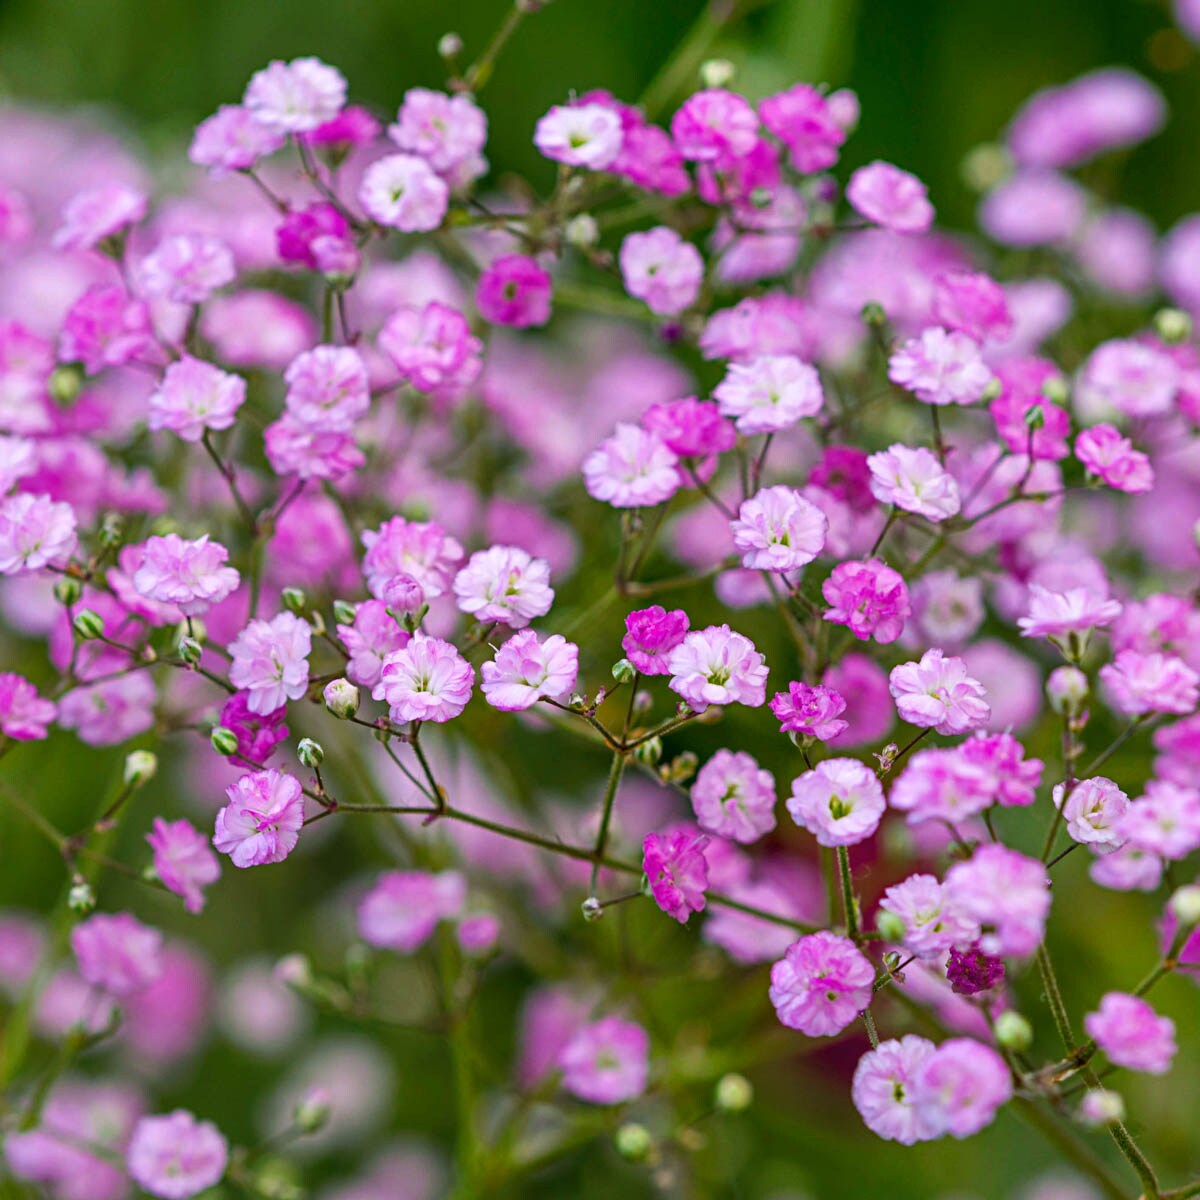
(311, 754)
(68, 590)
(449, 46)
(65, 384)
(88, 624)
(1185, 904)
(1067, 690)
(717, 73)
(312, 1112)
(337, 258)
(1056, 390)
(1014, 1031)
(682, 767)
(592, 909)
(582, 231)
(80, 897)
(294, 600)
(873, 314)
(993, 389)
(341, 698)
(1100, 1106)
(140, 767)
(734, 1093)
(624, 671)
(294, 970)
(649, 753)
(194, 628)
(112, 530)
(343, 612)
(404, 596)
(633, 1141)
(844, 108)
(224, 741)
(891, 927)
(643, 701)
(1035, 418)
(190, 650)
(1173, 325)
(985, 166)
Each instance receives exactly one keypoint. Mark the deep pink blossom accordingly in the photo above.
(516, 291)
(806, 121)
(821, 984)
(650, 636)
(869, 598)
(675, 867)
(183, 860)
(714, 125)
(810, 710)
(1111, 457)
(1132, 1034)
(24, 715)
(261, 823)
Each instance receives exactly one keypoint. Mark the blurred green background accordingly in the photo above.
(935, 79)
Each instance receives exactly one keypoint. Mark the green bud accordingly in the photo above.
(66, 382)
(582, 231)
(683, 767)
(985, 166)
(343, 612)
(310, 753)
(623, 671)
(633, 1142)
(1056, 390)
(112, 530)
(294, 600)
(88, 624)
(650, 752)
(993, 389)
(873, 314)
(312, 1112)
(592, 909)
(717, 73)
(1035, 418)
(1173, 325)
(734, 1093)
(67, 590)
(190, 650)
(224, 741)
(1185, 904)
(341, 698)
(1013, 1031)
(891, 928)
(449, 46)
(80, 897)
(1067, 690)
(140, 767)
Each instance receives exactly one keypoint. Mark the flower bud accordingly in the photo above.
(1100, 1106)
(1185, 904)
(1173, 325)
(734, 1093)
(311, 754)
(985, 166)
(337, 258)
(224, 741)
(873, 314)
(294, 600)
(294, 970)
(80, 897)
(650, 752)
(67, 590)
(845, 109)
(449, 46)
(190, 650)
(582, 231)
(890, 927)
(341, 698)
(312, 1111)
(112, 530)
(343, 612)
(1013, 1031)
(633, 1141)
(194, 628)
(140, 767)
(682, 767)
(65, 384)
(993, 389)
(1035, 418)
(717, 73)
(592, 909)
(88, 624)
(623, 671)
(1056, 390)
(1067, 690)
(404, 596)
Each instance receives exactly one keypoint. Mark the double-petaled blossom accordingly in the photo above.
(421, 549)
(810, 710)
(769, 393)
(403, 192)
(1092, 810)
(1126, 376)
(941, 366)
(970, 972)
(117, 953)
(269, 661)
(24, 715)
(1165, 820)
(404, 907)
(527, 669)
(186, 268)
(717, 666)
(808, 123)
(257, 733)
(650, 636)
(663, 270)
(1111, 457)
(733, 797)
(942, 785)
(295, 97)
(195, 396)
(1067, 618)
(92, 216)
(374, 635)
(261, 823)
(175, 1156)
(1012, 778)
(972, 303)
(606, 1061)
(632, 469)
(105, 327)
(580, 135)
(514, 290)
(1138, 684)
(1004, 892)
(232, 139)
(191, 575)
(327, 388)
(821, 984)
(911, 478)
(840, 802)
(504, 585)
(937, 693)
(714, 125)
(890, 197)
(183, 860)
(882, 1090)
(432, 348)
(869, 598)
(427, 680)
(930, 922)
(1132, 1034)
(1023, 384)
(948, 608)
(449, 132)
(777, 529)
(676, 870)
(35, 532)
(958, 1088)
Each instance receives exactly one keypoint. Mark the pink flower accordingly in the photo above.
(580, 135)
(117, 953)
(869, 598)
(449, 132)
(1138, 684)
(421, 549)
(1034, 207)
(175, 1156)
(1066, 616)
(1130, 377)
(971, 972)
(631, 469)
(105, 327)
(1093, 811)
(404, 907)
(911, 478)
(947, 608)
(257, 733)
(958, 1088)
(606, 1062)
(270, 661)
(402, 192)
(432, 348)
(931, 924)
(659, 267)
(1005, 893)
(101, 212)
(840, 802)
(806, 121)
(972, 303)
(882, 1090)
(261, 823)
(103, 714)
(769, 393)
(374, 635)
(691, 428)
(942, 785)
(938, 692)
(526, 669)
(1165, 821)
(811, 711)
(1021, 382)
(777, 529)
(863, 684)
(186, 268)
(890, 197)
(327, 388)
(428, 680)
(651, 634)
(733, 797)
(514, 290)
(821, 984)
(717, 666)
(24, 715)
(714, 126)
(677, 872)
(504, 585)
(183, 860)
(35, 532)
(1128, 869)
(232, 139)
(941, 366)
(195, 396)
(295, 97)
(1111, 457)
(1013, 779)
(191, 575)
(305, 231)
(1132, 1034)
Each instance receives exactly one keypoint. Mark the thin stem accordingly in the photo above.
(478, 73)
(1077, 1152)
(1054, 997)
(849, 903)
(610, 795)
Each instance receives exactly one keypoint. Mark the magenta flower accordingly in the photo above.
(449, 132)
(808, 123)
(631, 469)
(515, 291)
(606, 1062)
(691, 428)
(427, 680)
(714, 125)
(959, 1087)
(35, 532)
(526, 669)
(931, 924)
(261, 823)
(937, 692)
(579, 135)
(432, 348)
(421, 549)
(971, 972)
(193, 575)
(1021, 382)
(257, 733)
(402, 192)
(840, 802)
(869, 598)
(1138, 684)
(821, 984)
(404, 907)
(811, 711)
(295, 97)
(1132, 1034)
(232, 140)
(888, 196)
(1005, 893)
(941, 366)
(882, 1090)
(105, 327)
(303, 231)
(102, 212)
(374, 635)
(183, 860)
(972, 303)
(504, 585)
(1012, 778)
(676, 869)
(1111, 457)
(777, 529)
(328, 388)
(863, 684)
(651, 634)
(175, 1156)
(270, 661)
(942, 785)
(733, 797)
(24, 715)
(659, 267)
(717, 666)
(769, 393)
(195, 396)
(911, 478)
(117, 953)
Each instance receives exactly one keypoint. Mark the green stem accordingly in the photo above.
(610, 795)
(849, 903)
(1054, 998)
(1077, 1152)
